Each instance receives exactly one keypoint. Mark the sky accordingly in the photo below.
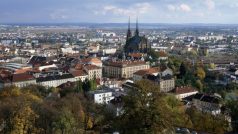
(118, 11)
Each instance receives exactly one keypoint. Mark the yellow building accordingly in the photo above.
(123, 69)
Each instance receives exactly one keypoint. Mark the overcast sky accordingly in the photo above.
(117, 11)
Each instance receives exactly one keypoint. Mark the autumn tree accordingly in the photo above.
(17, 111)
(146, 110)
(199, 85)
(207, 122)
(233, 107)
(200, 73)
(65, 123)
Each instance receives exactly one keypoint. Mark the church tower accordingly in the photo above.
(135, 43)
(137, 28)
(128, 31)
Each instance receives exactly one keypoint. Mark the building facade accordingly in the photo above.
(93, 71)
(101, 96)
(136, 43)
(56, 80)
(123, 69)
(207, 103)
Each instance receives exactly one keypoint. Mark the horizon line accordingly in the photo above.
(9, 23)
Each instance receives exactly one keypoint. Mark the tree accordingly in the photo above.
(86, 86)
(233, 107)
(65, 122)
(23, 121)
(212, 66)
(199, 85)
(206, 122)
(17, 109)
(179, 82)
(79, 87)
(93, 84)
(200, 73)
(183, 69)
(154, 54)
(145, 110)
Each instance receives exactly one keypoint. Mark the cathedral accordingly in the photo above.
(136, 43)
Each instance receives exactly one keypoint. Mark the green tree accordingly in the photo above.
(199, 85)
(65, 123)
(145, 110)
(93, 84)
(183, 69)
(233, 106)
(154, 54)
(86, 86)
(179, 82)
(206, 122)
(79, 87)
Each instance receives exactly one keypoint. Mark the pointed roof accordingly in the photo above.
(129, 30)
(137, 28)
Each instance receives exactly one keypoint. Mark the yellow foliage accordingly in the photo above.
(89, 123)
(200, 73)
(212, 66)
(11, 91)
(23, 120)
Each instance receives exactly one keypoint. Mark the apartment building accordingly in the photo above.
(123, 69)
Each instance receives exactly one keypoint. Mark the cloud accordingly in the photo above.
(171, 7)
(181, 7)
(136, 9)
(210, 4)
(185, 8)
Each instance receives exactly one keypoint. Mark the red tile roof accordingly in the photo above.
(78, 73)
(147, 71)
(136, 55)
(183, 90)
(79, 66)
(93, 60)
(22, 77)
(91, 67)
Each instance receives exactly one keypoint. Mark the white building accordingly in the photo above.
(102, 96)
(18, 80)
(93, 71)
(68, 50)
(55, 80)
(183, 92)
(47, 66)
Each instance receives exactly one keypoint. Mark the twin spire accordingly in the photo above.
(129, 28)
(137, 28)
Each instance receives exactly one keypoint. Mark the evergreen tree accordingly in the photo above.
(86, 86)
(79, 87)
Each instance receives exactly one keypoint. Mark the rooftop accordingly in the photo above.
(183, 90)
(54, 77)
(147, 71)
(125, 63)
(91, 67)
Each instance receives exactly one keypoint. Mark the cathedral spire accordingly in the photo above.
(137, 28)
(129, 23)
(129, 30)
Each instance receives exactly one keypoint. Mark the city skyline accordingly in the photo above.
(118, 11)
